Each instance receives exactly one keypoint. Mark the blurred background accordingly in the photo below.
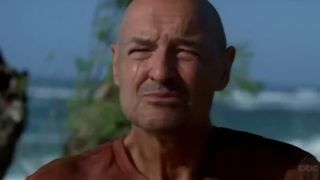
(57, 96)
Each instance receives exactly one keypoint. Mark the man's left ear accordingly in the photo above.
(227, 61)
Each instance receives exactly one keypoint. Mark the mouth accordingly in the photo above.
(164, 98)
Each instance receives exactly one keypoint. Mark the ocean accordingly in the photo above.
(292, 116)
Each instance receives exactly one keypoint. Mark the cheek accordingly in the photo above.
(127, 87)
(131, 76)
(128, 72)
(197, 76)
(189, 71)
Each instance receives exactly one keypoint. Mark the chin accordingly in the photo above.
(159, 118)
(165, 121)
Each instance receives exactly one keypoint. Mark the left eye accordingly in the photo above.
(142, 53)
(187, 54)
(138, 51)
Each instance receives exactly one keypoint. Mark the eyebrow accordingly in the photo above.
(188, 42)
(141, 41)
(147, 41)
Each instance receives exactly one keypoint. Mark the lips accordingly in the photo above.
(164, 97)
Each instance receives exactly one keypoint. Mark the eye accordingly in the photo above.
(140, 53)
(187, 54)
(138, 50)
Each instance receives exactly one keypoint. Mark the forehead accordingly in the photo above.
(156, 19)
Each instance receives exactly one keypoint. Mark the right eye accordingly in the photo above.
(142, 50)
(139, 53)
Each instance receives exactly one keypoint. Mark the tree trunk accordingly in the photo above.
(13, 112)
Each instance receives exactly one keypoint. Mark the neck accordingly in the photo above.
(167, 156)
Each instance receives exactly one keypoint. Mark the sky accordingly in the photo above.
(45, 36)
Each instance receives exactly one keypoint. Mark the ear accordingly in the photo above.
(114, 49)
(227, 62)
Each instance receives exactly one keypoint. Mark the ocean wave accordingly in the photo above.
(299, 100)
(47, 138)
(28, 165)
(50, 92)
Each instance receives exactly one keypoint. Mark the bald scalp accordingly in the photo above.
(206, 14)
(213, 21)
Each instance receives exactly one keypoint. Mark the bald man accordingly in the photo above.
(169, 60)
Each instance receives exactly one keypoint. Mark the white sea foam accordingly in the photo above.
(15, 177)
(299, 100)
(46, 138)
(27, 166)
(50, 92)
(312, 145)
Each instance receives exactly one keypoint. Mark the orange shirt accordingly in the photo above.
(230, 155)
(108, 161)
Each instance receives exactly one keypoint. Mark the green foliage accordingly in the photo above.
(240, 78)
(103, 35)
(95, 120)
(123, 3)
(83, 66)
(22, 85)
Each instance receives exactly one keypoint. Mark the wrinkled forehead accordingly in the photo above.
(153, 18)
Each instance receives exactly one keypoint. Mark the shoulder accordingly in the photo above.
(78, 165)
(252, 151)
(252, 142)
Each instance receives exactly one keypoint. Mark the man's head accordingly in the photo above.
(170, 58)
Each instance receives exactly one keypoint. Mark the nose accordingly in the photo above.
(163, 67)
